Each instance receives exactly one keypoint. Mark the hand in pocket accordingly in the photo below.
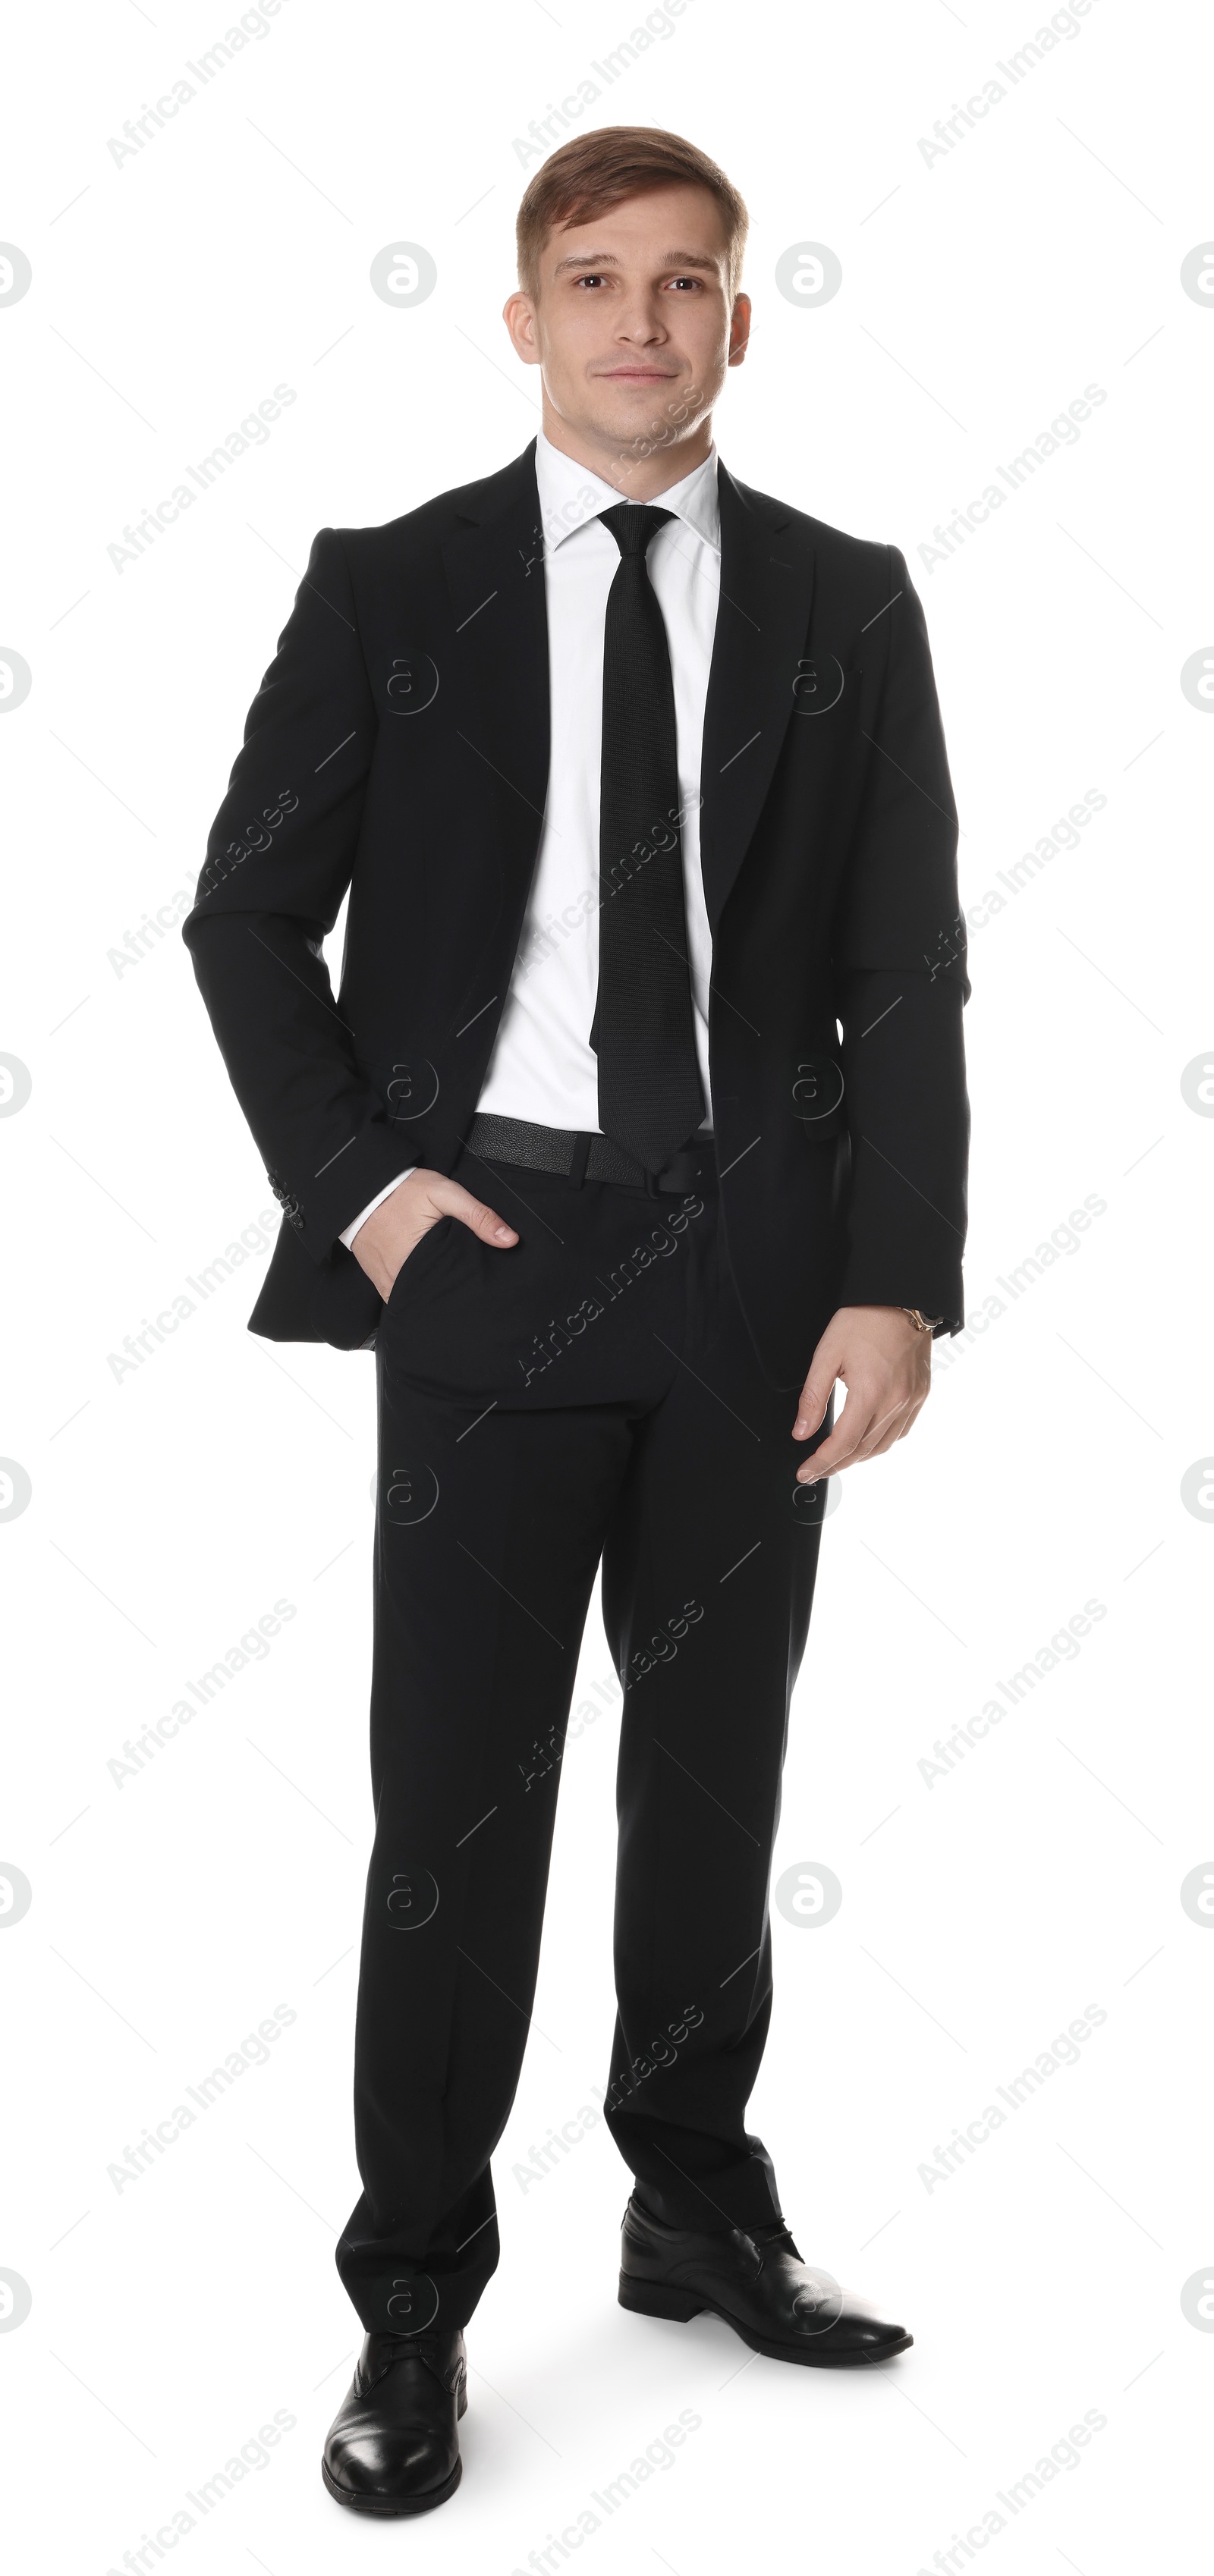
(383, 1245)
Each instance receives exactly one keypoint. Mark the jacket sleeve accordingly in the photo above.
(279, 860)
(900, 973)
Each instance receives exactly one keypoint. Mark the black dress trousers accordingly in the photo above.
(591, 1394)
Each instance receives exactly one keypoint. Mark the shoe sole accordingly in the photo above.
(655, 2299)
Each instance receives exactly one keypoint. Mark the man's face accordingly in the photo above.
(632, 326)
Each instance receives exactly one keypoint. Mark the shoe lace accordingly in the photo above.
(775, 2239)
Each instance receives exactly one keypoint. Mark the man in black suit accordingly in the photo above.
(640, 1111)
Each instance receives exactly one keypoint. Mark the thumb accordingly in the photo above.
(454, 1200)
(816, 1392)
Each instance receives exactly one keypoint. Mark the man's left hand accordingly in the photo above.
(885, 1362)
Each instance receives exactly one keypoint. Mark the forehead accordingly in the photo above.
(672, 226)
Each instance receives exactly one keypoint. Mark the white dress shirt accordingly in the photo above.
(543, 1067)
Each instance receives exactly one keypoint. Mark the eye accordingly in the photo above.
(589, 280)
(687, 281)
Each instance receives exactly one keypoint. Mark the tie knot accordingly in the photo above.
(634, 524)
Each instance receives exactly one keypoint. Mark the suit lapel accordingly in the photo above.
(499, 653)
(767, 573)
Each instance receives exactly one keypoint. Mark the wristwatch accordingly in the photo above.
(924, 1323)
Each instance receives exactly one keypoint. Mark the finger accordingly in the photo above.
(885, 1428)
(876, 1432)
(895, 1429)
(890, 1426)
(843, 1444)
(816, 1393)
(454, 1200)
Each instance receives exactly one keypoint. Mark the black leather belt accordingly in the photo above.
(583, 1157)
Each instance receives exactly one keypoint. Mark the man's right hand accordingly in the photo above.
(384, 1243)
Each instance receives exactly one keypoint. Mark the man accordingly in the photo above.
(640, 1112)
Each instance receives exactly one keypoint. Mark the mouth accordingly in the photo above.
(636, 375)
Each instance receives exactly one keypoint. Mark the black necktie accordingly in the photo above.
(651, 1098)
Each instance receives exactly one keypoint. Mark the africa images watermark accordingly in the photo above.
(662, 1244)
(253, 2455)
(139, 131)
(661, 2051)
(138, 1348)
(254, 2050)
(1063, 431)
(657, 2455)
(1064, 2454)
(1063, 1647)
(948, 132)
(1062, 835)
(540, 2160)
(1065, 1240)
(543, 132)
(253, 431)
(1063, 2050)
(254, 1646)
(540, 942)
(137, 944)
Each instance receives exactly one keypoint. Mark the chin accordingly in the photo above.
(637, 411)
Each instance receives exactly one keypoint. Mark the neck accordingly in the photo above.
(635, 476)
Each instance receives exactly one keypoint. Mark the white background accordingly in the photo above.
(173, 1506)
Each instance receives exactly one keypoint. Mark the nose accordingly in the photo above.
(642, 323)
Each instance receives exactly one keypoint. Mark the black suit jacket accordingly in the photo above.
(398, 746)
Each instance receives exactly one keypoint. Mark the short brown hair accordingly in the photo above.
(599, 170)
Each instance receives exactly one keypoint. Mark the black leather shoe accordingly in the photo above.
(755, 2279)
(393, 2445)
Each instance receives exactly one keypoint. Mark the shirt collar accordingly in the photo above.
(570, 495)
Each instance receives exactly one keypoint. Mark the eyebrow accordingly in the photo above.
(607, 259)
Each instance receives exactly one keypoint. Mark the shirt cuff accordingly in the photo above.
(348, 1232)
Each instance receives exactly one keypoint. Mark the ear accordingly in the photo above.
(518, 314)
(739, 330)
